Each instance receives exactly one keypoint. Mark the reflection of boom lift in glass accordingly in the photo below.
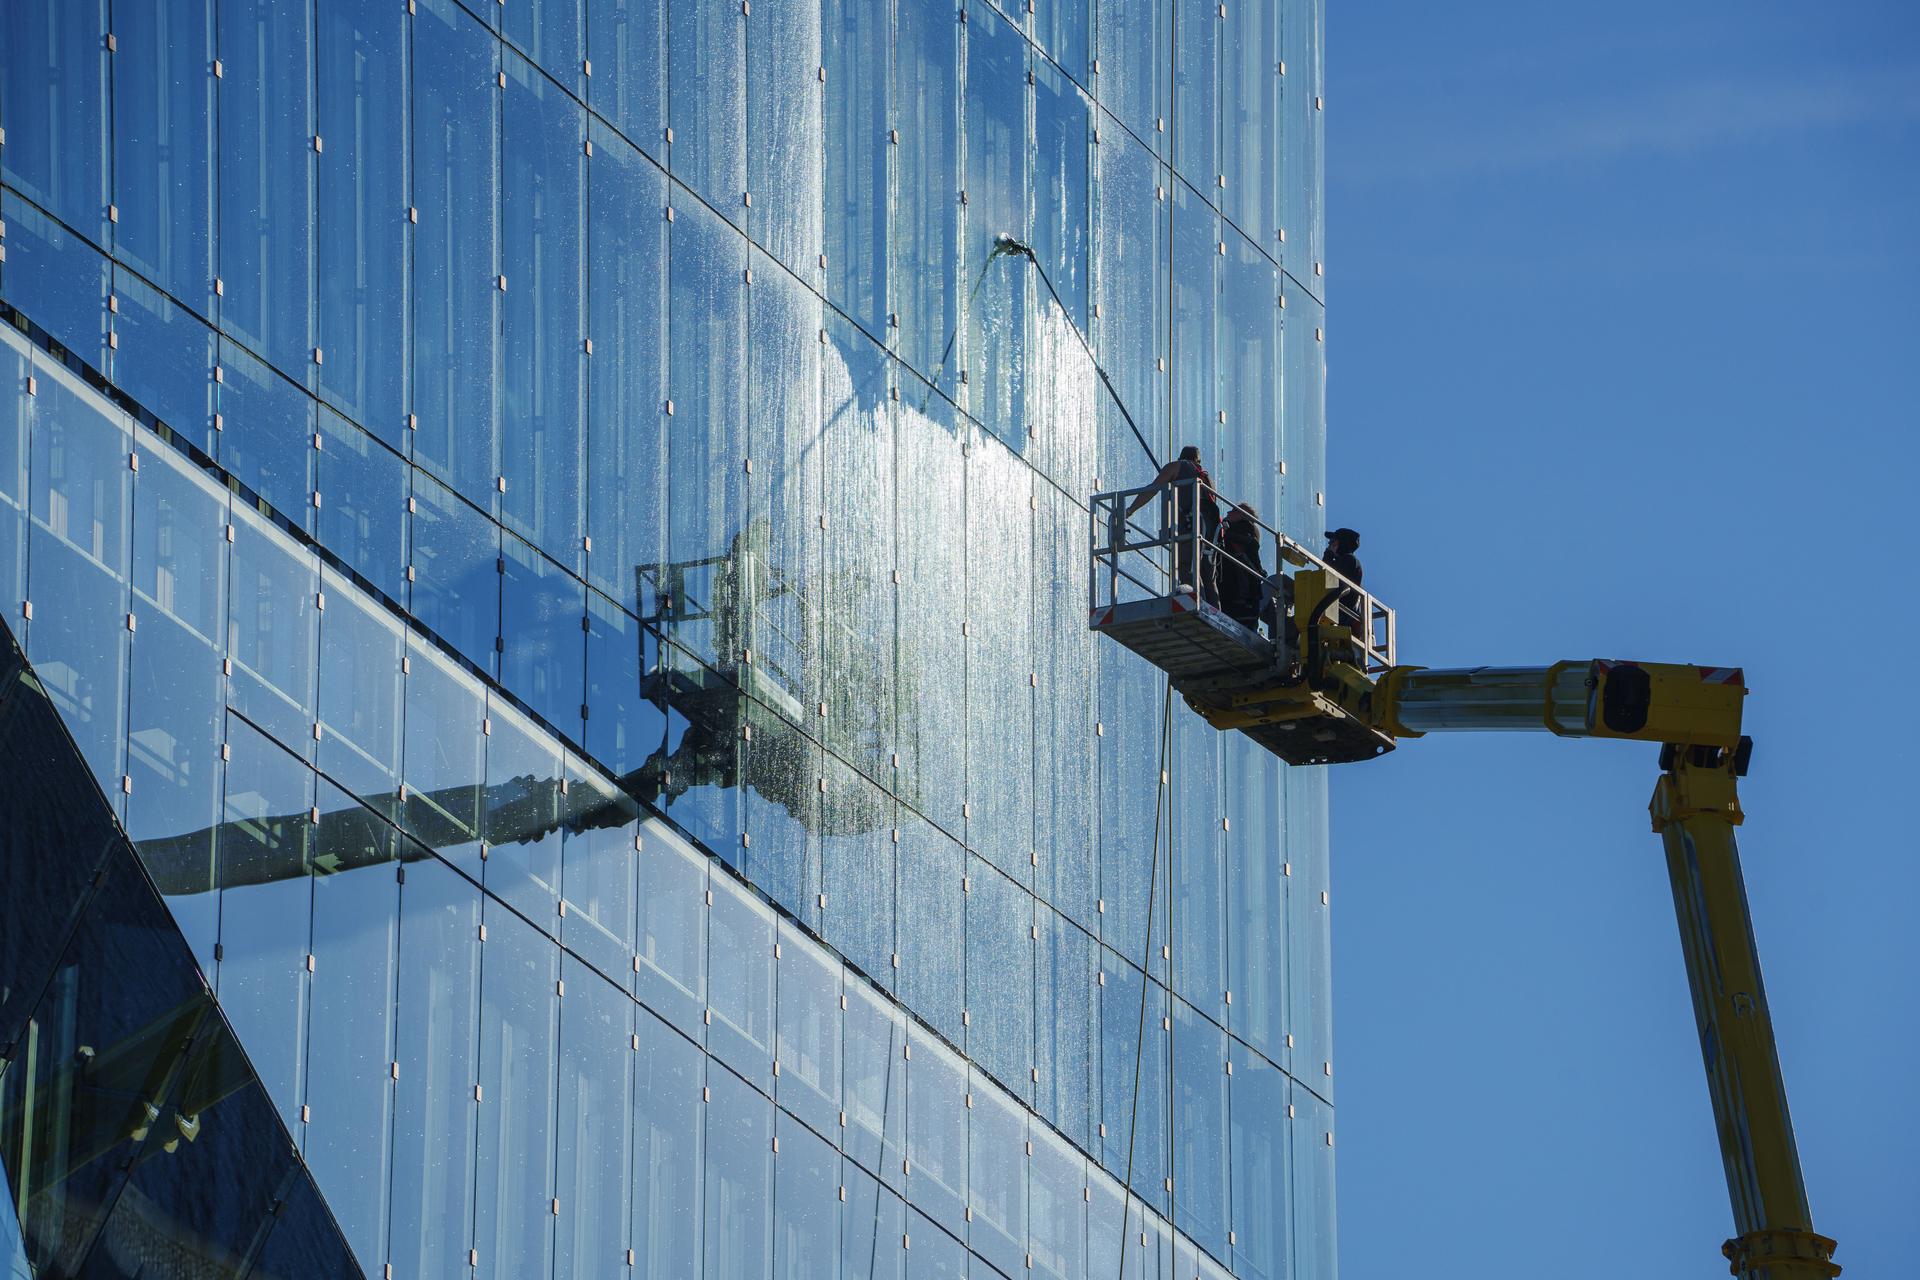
(1323, 688)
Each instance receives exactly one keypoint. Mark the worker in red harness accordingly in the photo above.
(1190, 510)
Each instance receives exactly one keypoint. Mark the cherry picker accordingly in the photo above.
(1324, 686)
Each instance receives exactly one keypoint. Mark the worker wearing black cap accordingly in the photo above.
(1342, 544)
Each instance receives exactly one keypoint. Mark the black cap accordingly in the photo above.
(1347, 536)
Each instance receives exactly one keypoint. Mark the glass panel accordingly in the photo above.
(806, 1204)
(932, 972)
(301, 1235)
(543, 223)
(1250, 142)
(780, 809)
(523, 808)
(1000, 976)
(1065, 30)
(1065, 1023)
(266, 909)
(362, 492)
(550, 32)
(1196, 255)
(1000, 659)
(59, 280)
(361, 646)
(175, 716)
(931, 1253)
(1196, 89)
(808, 1048)
(739, 1227)
(436, 1021)
(1256, 892)
(267, 156)
(937, 1133)
(444, 764)
(1130, 284)
(925, 220)
(873, 1224)
(1065, 397)
(267, 434)
(543, 646)
(875, 1083)
(1133, 1061)
(930, 684)
(455, 267)
(1304, 445)
(626, 728)
(707, 436)
(1059, 1208)
(626, 43)
(1066, 756)
(16, 421)
(997, 1177)
(784, 129)
(626, 392)
(599, 872)
(1135, 39)
(1249, 379)
(856, 590)
(350, 1032)
(668, 1149)
(1309, 947)
(854, 41)
(1259, 1152)
(996, 185)
(78, 541)
(1300, 90)
(1313, 1225)
(163, 155)
(596, 1091)
(363, 96)
(707, 100)
(740, 968)
(456, 572)
(273, 631)
(1200, 1129)
(672, 964)
(165, 359)
(1198, 924)
(55, 101)
(857, 872)
(519, 1026)
(781, 557)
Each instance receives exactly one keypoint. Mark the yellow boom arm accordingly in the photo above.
(1694, 712)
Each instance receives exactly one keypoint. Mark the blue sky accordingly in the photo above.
(1624, 361)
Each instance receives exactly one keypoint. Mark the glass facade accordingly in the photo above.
(566, 550)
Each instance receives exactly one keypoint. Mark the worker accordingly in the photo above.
(1242, 579)
(1342, 544)
(1190, 511)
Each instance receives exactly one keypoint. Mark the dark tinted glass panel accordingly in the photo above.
(362, 108)
(362, 498)
(542, 235)
(165, 358)
(56, 103)
(543, 642)
(267, 154)
(456, 572)
(266, 433)
(626, 391)
(455, 263)
(164, 144)
(57, 278)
